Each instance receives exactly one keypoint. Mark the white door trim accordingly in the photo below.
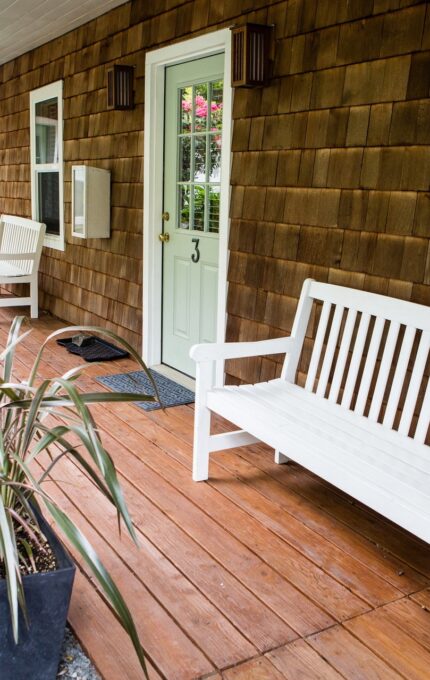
(156, 62)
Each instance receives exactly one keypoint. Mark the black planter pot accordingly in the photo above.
(37, 654)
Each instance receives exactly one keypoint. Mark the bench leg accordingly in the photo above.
(280, 458)
(202, 423)
(201, 445)
(34, 307)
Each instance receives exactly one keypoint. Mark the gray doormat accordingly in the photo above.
(171, 393)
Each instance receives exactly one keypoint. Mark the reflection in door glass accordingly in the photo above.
(199, 207)
(216, 106)
(186, 95)
(199, 156)
(184, 206)
(215, 158)
(201, 107)
(185, 159)
(214, 194)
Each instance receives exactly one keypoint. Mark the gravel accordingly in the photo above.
(74, 663)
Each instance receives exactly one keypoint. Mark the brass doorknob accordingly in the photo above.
(164, 237)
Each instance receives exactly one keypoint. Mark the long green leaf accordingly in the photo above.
(32, 415)
(87, 398)
(84, 464)
(8, 550)
(100, 456)
(9, 352)
(85, 549)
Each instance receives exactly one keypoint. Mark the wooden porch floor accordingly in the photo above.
(263, 572)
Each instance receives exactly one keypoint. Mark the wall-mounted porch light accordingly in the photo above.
(120, 94)
(251, 55)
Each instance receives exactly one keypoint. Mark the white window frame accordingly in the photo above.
(51, 91)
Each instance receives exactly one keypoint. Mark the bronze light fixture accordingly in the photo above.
(120, 94)
(251, 55)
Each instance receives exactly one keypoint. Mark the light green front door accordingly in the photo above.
(192, 185)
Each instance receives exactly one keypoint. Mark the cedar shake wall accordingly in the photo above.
(330, 166)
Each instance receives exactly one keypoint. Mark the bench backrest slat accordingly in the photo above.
(415, 384)
(424, 418)
(318, 346)
(331, 348)
(357, 355)
(369, 368)
(384, 371)
(343, 355)
(370, 354)
(19, 235)
(399, 376)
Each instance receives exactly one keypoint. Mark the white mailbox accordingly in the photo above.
(90, 202)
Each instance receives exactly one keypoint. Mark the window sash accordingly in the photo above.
(52, 91)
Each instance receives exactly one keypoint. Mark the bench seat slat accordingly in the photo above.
(288, 408)
(8, 269)
(324, 439)
(364, 479)
(357, 429)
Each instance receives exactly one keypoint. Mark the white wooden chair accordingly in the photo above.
(21, 242)
(361, 420)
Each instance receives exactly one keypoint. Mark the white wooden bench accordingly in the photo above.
(361, 419)
(21, 242)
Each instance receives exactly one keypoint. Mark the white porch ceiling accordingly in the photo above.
(25, 24)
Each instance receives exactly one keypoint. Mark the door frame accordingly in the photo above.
(153, 163)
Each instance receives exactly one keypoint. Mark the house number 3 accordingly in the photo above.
(196, 255)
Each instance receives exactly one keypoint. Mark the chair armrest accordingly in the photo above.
(237, 350)
(17, 256)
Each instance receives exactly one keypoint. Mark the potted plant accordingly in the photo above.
(38, 416)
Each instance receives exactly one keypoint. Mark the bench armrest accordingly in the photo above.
(16, 256)
(237, 350)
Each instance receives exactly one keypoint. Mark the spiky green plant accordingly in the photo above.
(25, 434)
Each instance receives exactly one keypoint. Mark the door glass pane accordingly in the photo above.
(185, 159)
(201, 107)
(199, 207)
(186, 107)
(184, 206)
(48, 191)
(213, 221)
(216, 105)
(200, 158)
(215, 159)
(198, 173)
(46, 131)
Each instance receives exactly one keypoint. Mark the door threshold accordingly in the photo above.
(176, 376)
